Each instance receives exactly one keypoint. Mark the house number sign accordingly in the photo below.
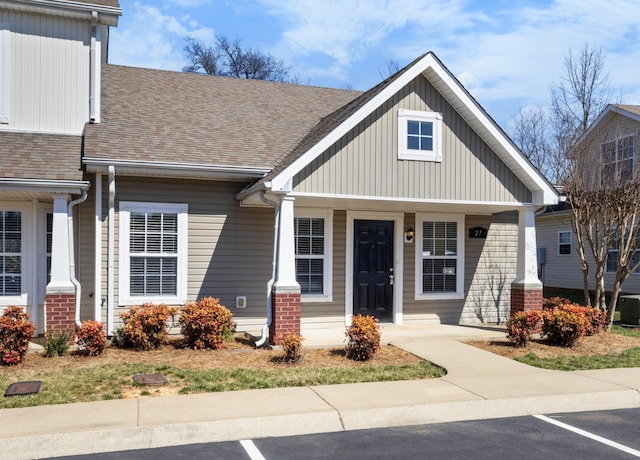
(478, 232)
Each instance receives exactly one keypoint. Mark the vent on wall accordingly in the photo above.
(241, 301)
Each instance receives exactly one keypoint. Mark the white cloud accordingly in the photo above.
(147, 37)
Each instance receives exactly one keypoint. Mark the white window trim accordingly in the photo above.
(26, 255)
(434, 217)
(404, 153)
(615, 141)
(5, 72)
(570, 243)
(327, 288)
(126, 208)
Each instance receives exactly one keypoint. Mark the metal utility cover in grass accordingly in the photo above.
(23, 388)
(150, 379)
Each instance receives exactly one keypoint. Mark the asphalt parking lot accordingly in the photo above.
(585, 435)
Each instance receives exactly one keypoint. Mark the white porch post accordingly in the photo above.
(285, 292)
(60, 274)
(286, 269)
(526, 289)
(60, 299)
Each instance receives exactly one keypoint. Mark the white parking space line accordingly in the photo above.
(595, 437)
(251, 449)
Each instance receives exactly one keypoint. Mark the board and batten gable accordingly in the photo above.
(365, 162)
(227, 256)
(48, 72)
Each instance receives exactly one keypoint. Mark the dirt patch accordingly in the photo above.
(599, 344)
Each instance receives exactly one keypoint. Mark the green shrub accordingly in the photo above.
(363, 338)
(206, 323)
(92, 338)
(15, 333)
(522, 325)
(145, 327)
(564, 326)
(57, 343)
(291, 345)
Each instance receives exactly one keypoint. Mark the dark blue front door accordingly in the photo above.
(373, 268)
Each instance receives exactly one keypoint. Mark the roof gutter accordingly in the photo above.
(59, 186)
(108, 15)
(165, 169)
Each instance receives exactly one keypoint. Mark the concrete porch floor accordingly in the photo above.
(316, 337)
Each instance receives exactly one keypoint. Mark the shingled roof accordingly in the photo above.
(40, 156)
(162, 116)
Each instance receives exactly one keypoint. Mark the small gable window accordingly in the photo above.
(419, 135)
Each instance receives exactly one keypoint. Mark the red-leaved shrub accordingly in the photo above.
(363, 338)
(564, 326)
(15, 333)
(292, 346)
(145, 327)
(522, 325)
(206, 323)
(92, 338)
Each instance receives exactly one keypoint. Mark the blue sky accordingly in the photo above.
(505, 52)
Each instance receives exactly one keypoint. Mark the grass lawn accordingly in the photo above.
(74, 378)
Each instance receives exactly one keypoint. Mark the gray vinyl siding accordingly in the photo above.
(365, 161)
(230, 248)
(85, 254)
(490, 266)
(564, 272)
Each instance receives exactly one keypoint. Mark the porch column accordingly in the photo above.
(285, 292)
(526, 289)
(60, 300)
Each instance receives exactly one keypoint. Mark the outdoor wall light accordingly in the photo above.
(409, 234)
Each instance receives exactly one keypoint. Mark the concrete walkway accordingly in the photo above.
(478, 385)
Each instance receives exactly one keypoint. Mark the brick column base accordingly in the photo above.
(60, 313)
(285, 314)
(525, 298)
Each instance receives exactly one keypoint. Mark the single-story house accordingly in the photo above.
(295, 205)
(612, 139)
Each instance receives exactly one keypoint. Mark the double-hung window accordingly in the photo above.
(10, 253)
(612, 258)
(564, 243)
(617, 158)
(440, 256)
(153, 252)
(419, 135)
(313, 253)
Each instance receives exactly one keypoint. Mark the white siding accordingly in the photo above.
(48, 70)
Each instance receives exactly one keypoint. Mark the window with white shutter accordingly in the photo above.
(153, 252)
(10, 253)
(440, 256)
(313, 248)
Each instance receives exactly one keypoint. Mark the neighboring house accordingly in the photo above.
(406, 202)
(612, 138)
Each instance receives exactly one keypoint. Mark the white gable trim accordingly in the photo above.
(543, 192)
(609, 109)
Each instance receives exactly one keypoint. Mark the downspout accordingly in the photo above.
(93, 70)
(72, 258)
(110, 248)
(274, 264)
